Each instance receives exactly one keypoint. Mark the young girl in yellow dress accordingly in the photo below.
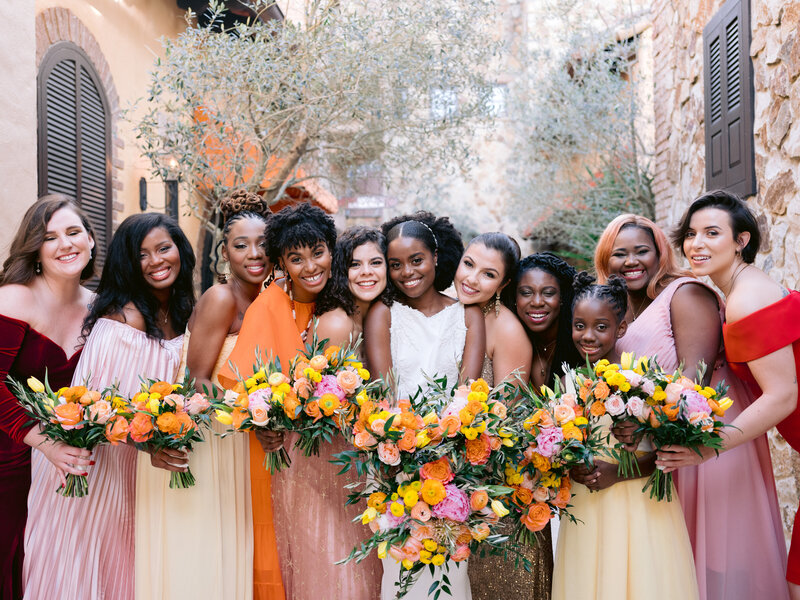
(624, 545)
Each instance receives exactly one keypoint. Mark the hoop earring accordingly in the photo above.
(37, 268)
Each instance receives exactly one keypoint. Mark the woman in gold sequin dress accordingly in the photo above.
(486, 269)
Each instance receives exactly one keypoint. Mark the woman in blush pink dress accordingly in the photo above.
(730, 504)
(83, 548)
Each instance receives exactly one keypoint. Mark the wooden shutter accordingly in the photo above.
(729, 96)
(75, 137)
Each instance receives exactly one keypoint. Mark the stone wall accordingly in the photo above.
(680, 147)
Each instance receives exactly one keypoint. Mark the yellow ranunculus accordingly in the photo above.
(250, 382)
(550, 480)
(410, 498)
(581, 421)
(224, 417)
(35, 385)
(364, 374)
(438, 560)
(480, 428)
(362, 397)
(469, 432)
(430, 545)
(499, 508)
(659, 394)
(416, 485)
(154, 396)
(707, 392)
(408, 564)
(425, 556)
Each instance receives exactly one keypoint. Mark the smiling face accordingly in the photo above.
(159, 259)
(245, 250)
(538, 300)
(595, 329)
(710, 245)
(309, 269)
(412, 266)
(67, 246)
(480, 274)
(366, 274)
(634, 258)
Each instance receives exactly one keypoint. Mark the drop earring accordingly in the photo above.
(497, 304)
(37, 268)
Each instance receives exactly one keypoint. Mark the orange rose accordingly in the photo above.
(546, 420)
(498, 409)
(479, 499)
(330, 353)
(161, 387)
(168, 423)
(290, 405)
(364, 440)
(141, 427)
(408, 443)
(303, 387)
(537, 516)
(312, 410)
(564, 493)
(348, 380)
(563, 413)
(495, 442)
(438, 470)
(299, 369)
(238, 415)
(74, 393)
(597, 409)
(90, 397)
(117, 430)
(478, 450)
(432, 491)
(672, 411)
(601, 390)
(186, 422)
(451, 424)
(318, 363)
(522, 496)
(69, 415)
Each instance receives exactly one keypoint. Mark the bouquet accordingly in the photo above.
(262, 400)
(328, 382)
(435, 466)
(684, 413)
(76, 416)
(166, 415)
(620, 391)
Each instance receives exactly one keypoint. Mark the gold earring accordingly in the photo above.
(497, 304)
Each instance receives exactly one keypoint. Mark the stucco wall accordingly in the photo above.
(680, 146)
(18, 122)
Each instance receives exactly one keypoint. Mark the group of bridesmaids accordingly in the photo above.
(424, 305)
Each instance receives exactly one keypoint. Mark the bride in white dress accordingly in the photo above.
(423, 332)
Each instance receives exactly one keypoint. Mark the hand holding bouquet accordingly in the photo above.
(76, 416)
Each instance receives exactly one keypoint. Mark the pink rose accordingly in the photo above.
(632, 376)
(673, 391)
(570, 400)
(540, 494)
(196, 404)
(389, 453)
(548, 441)
(100, 411)
(563, 413)
(615, 405)
(461, 553)
(259, 414)
(635, 406)
(378, 426)
(648, 387)
(454, 407)
(455, 505)
(329, 385)
(175, 400)
(646, 410)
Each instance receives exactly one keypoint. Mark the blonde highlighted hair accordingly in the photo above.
(668, 268)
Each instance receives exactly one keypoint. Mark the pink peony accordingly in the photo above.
(548, 441)
(329, 385)
(615, 405)
(635, 406)
(259, 398)
(455, 505)
(196, 404)
(694, 402)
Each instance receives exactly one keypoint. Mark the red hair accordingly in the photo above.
(668, 268)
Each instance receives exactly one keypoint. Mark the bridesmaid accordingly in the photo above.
(358, 278)
(677, 318)
(543, 302)
(144, 299)
(487, 267)
(424, 333)
(51, 254)
(209, 524)
(720, 238)
(299, 242)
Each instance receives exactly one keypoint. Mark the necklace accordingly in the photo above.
(636, 313)
(304, 333)
(165, 316)
(543, 356)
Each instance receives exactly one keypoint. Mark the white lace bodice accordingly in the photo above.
(421, 345)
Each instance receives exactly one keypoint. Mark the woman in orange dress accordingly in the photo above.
(287, 553)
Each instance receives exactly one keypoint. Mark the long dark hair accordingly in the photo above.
(20, 266)
(336, 293)
(510, 252)
(565, 351)
(122, 280)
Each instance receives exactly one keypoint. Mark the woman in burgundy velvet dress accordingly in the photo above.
(42, 307)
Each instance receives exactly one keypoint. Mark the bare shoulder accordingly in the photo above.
(692, 295)
(17, 301)
(218, 300)
(754, 292)
(129, 315)
(507, 325)
(379, 311)
(336, 326)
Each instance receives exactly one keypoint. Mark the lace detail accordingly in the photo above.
(421, 345)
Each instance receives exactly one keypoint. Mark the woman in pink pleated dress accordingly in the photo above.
(83, 548)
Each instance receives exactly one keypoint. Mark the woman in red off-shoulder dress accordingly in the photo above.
(52, 252)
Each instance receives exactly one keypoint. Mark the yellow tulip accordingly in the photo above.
(499, 508)
(383, 547)
(364, 374)
(626, 361)
(224, 417)
(369, 515)
(725, 403)
(36, 385)
(153, 405)
(430, 418)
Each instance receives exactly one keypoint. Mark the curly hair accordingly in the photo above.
(613, 292)
(236, 207)
(122, 280)
(20, 266)
(299, 226)
(336, 293)
(439, 236)
(564, 273)
(741, 217)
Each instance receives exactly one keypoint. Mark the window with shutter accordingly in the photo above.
(75, 136)
(729, 97)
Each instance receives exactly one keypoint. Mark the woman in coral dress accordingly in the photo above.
(720, 237)
(79, 548)
(52, 252)
(682, 323)
(210, 523)
(300, 517)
